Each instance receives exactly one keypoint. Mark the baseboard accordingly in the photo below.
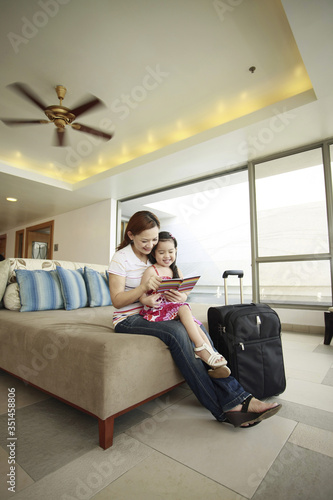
(313, 329)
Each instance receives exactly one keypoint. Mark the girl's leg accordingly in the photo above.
(195, 333)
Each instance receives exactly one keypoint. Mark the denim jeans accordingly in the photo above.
(218, 395)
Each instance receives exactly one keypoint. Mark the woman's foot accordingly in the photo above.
(251, 412)
(209, 356)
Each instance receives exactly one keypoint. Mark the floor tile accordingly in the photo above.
(328, 379)
(126, 421)
(25, 394)
(224, 451)
(88, 474)
(293, 345)
(159, 477)
(302, 338)
(324, 349)
(313, 439)
(163, 402)
(309, 394)
(305, 414)
(21, 480)
(306, 365)
(297, 473)
(45, 437)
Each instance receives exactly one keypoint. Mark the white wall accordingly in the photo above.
(83, 235)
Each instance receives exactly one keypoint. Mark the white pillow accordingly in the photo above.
(4, 270)
(11, 299)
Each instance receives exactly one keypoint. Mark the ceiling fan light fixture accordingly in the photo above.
(60, 123)
(58, 114)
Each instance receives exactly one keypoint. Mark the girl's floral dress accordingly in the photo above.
(166, 310)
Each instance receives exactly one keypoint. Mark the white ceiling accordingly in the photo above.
(174, 77)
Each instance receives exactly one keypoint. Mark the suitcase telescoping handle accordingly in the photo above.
(240, 275)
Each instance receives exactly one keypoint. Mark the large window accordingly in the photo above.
(274, 220)
(293, 262)
(211, 222)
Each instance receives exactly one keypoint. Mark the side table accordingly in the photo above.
(328, 327)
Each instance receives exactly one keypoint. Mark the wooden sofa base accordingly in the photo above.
(105, 427)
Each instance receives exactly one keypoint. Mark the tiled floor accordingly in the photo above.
(172, 448)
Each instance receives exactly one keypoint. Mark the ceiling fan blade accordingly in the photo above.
(60, 137)
(11, 122)
(24, 90)
(86, 106)
(93, 131)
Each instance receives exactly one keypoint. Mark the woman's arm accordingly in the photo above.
(149, 300)
(120, 298)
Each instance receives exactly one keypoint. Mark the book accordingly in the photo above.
(179, 284)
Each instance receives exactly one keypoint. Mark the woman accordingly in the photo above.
(225, 398)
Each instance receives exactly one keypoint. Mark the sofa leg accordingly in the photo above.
(105, 428)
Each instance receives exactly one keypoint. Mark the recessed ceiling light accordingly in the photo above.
(11, 199)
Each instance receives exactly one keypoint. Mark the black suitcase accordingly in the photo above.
(249, 337)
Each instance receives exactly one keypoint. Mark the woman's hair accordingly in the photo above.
(165, 236)
(140, 221)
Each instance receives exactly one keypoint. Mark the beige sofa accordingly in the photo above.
(76, 356)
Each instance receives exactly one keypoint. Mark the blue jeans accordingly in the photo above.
(218, 395)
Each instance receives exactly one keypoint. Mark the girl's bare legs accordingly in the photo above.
(195, 333)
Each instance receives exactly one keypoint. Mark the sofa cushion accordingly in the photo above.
(39, 290)
(97, 288)
(73, 288)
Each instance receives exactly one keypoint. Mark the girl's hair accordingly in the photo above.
(140, 221)
(165, 236)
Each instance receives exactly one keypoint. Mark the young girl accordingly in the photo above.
(160, 307)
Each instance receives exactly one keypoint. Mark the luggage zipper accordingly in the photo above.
(258, 324)
(242, 345)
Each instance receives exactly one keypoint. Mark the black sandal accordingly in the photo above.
(238, 418)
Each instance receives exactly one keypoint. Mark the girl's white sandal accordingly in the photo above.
(214, 360)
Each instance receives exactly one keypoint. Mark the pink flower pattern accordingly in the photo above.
(166, 310)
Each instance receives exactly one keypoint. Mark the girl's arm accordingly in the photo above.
(120, 298)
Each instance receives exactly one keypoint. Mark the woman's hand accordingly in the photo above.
(175, 296)
(153, 283)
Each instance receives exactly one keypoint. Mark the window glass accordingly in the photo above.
(306, 282)
(211, 223)
(291, 206)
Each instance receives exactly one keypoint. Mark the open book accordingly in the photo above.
(179, 284)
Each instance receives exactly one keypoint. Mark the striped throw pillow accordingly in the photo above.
(39, 290)
(97, 288)
(73, 288)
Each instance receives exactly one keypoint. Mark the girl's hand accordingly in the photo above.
(153, 300)
(175, 296)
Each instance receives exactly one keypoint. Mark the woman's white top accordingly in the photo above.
(125, 263)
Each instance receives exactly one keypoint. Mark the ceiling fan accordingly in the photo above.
(58, 114)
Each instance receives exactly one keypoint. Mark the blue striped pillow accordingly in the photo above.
(97, 288)
(39, 290)
(73, 288)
